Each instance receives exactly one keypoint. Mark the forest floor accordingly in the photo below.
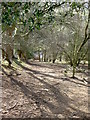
(43, 90)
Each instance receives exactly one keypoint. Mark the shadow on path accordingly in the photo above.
(51, 76)
(39, 100)
(63, 101)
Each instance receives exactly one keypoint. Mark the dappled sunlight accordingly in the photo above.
(44, 59)
(48, 95)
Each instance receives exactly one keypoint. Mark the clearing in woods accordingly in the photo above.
(43, 90)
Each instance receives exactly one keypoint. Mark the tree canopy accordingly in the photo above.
(53, 28)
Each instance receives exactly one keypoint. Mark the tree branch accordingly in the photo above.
(87, 32)
(65, 52)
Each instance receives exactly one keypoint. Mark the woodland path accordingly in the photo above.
(42, 90)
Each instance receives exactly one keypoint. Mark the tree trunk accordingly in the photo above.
(9, 54)
(39, 56)
(45, 56)
(49, 60)
(60, 58)
(19, 53)
(74, 70)
(54, 57)
(3, 54)
(8, 59)
(42, 56)
(9, 63)
(54, 60)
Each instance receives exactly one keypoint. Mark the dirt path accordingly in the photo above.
(42, 90)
